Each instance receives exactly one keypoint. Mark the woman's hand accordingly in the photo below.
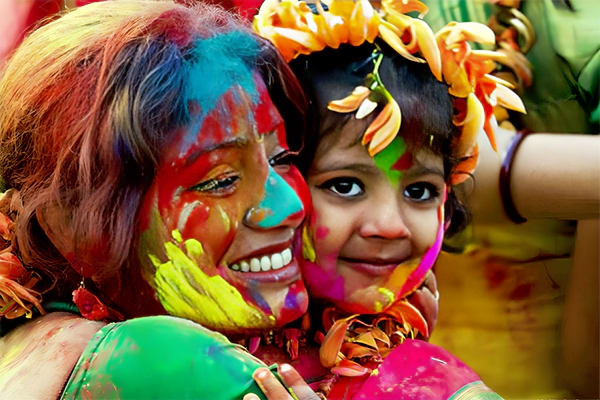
(274, 390)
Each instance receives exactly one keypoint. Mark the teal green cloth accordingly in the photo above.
(564, 96)
(162, 357)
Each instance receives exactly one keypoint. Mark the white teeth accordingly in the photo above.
(245, 266)
(276, 261)
(265, 263)
(287, 256)
(254, 265)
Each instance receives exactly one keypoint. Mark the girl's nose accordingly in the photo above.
(279, 207)
(384, 219)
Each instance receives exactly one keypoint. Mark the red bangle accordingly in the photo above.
(504, 182)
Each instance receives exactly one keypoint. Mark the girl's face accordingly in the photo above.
(219, 222)
(378, 222)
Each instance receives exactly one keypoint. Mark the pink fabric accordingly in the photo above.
(414, 370)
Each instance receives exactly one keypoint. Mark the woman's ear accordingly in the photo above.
(57, 226)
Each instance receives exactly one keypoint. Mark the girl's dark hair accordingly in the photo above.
(427, 107)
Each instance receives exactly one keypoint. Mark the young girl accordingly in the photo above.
(396, 111)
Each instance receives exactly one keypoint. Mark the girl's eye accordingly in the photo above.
(221, 185)
(283, 158)
(344, 187)
(421, 191)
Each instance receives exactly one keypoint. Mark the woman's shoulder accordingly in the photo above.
(36, 358)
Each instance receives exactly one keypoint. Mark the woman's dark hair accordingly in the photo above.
(427, 107)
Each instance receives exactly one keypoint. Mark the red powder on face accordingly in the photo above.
(405, 162)
(295, 300)
(197, 218)
(265, 114)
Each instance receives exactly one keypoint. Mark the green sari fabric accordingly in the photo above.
(162, 357)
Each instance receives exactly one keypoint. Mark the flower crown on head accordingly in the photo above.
(294, 29)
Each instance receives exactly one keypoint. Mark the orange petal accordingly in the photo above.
(379, 335)
(372, 21)
(353, 350)
(428, 47)
(305, 39)
(500, 81)
(381, 119)
(406, 312)
(471, 31)
(509, 99)
(358, 25)
(332, 343)
(400, 21)
(466, 167)
(366, 339)
(472, 125)
(388, 131)
(391, 38)
(350, 368)
(11, 267)
(350, 103)
(404, 6)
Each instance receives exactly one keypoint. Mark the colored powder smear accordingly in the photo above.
(186, 291)
(387, 160)
(279, 202)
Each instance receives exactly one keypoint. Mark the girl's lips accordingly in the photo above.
(372, 266)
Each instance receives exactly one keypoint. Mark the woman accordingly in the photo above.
(150, 176)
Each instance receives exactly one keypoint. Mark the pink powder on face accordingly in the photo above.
(321, 232)
(416, 278)
(323, 281)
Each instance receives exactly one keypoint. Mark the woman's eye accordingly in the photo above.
(285, 157)
(344, 187)
(421, 191)
(220, 185)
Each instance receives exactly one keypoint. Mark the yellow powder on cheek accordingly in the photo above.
(186, 291)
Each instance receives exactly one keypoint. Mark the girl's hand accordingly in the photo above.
(274, 390)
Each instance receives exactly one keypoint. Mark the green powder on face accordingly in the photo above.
(388, 157)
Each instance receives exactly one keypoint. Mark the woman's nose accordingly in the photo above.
(279, 207)
(383, 218)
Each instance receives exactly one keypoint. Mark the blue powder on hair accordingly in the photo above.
(217, 63)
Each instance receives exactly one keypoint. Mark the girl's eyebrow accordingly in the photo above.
(341, 165)
(419, 169)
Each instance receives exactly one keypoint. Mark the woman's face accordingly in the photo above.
(378, 222)
(218, 224)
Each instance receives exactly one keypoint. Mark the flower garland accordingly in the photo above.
(17, 297)
(294, 29)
